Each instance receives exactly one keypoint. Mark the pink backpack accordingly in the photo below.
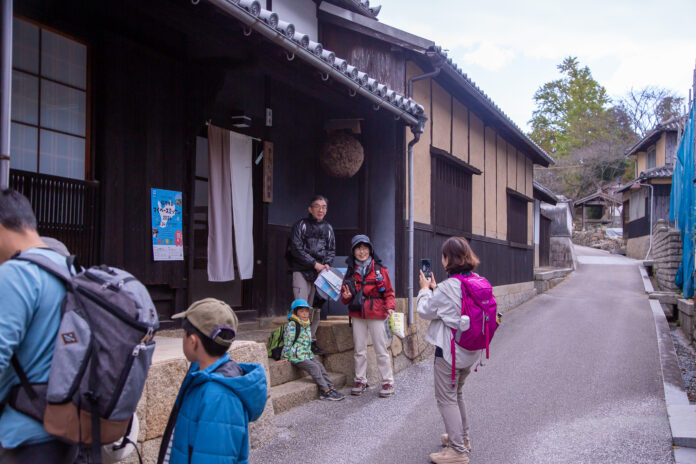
(479, 304)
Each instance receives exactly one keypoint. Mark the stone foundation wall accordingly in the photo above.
(666, 254)
(637, 247)
(561, 253)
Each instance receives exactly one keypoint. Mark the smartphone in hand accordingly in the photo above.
(426, 267)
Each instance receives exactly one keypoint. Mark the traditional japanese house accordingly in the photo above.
(646, 198)
(473, 166)
(113, 100)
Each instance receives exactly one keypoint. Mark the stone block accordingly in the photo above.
(141, 412)
(341, 363)
(686, 317)
(162, 387)
(396, 346)
(247, 351)
(400, 363)
(263, 428)
(150, 450)
(335, 336)
(283, 372)
(298, 392)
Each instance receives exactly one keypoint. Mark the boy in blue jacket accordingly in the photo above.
(209, 422)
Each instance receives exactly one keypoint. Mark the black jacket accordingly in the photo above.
(310, 242)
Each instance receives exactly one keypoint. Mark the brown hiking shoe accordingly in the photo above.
(444, 438)
(358, 388)
(449, 456)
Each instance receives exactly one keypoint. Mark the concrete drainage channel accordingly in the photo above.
(681, 414)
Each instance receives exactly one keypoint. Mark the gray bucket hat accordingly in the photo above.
(360, 238)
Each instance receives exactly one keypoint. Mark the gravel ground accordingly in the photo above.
(686, 355)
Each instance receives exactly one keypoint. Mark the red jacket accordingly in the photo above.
(376, 303)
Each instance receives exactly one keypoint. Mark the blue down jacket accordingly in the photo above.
(216, 406)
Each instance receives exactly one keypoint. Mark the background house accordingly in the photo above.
(649, 192)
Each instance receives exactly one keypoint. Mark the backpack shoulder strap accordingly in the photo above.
(297, 332)
(49, 265)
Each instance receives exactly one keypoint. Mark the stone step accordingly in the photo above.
(284, 372)
(299, 392)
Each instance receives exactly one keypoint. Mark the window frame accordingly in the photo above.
(651, 152)
(88, 174)
(439, 159)
(517, 235)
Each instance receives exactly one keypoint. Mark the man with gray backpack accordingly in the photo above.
(75, 346)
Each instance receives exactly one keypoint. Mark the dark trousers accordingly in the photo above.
(54, 451)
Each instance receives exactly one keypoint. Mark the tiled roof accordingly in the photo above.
(359, 6)
(673, 124)
(543, 193)
(273, 27)
(598, 194)
(658, 172)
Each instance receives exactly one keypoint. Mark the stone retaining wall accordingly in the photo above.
(667, 255)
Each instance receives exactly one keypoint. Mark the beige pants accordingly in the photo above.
(301, 288)
(379, 340)
(450, 402)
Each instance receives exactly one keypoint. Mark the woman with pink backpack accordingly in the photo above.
(455, 316)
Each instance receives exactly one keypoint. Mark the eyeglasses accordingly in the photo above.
(319, 207)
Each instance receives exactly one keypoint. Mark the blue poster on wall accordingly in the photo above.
(167, 232)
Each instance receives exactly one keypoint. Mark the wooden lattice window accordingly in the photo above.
(450, 195)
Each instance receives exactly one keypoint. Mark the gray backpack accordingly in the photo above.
(100, 360)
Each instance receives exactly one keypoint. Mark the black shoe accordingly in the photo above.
(331, 395)
(316, 350)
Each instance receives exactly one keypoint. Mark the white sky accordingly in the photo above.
(511, 47)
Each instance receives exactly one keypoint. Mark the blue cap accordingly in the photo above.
(298, 303)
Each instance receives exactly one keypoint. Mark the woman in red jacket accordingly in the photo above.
(368, 292)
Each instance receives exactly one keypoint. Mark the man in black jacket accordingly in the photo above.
(311, 249)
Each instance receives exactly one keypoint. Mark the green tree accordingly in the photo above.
(571, 111)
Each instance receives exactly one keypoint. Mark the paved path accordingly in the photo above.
(574, 378)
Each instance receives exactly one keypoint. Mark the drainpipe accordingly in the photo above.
(417, 131)
(651, 218)
(5, 92)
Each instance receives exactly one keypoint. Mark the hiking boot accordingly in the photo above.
(444, 438)
(449, 456)
(336, 395)
(316, 350)
(358, 388)
(386, 391)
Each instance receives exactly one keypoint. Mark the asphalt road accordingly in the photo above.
(574, 377)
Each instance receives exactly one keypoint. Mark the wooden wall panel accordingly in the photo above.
(476, 144)
(490, 180)
(501, 185)
(511, 167)
(496, 258)
(460, 131)
(641, 161)
(529, 178)
(660, 150)
(421, 152)
(521, 160)
(441, 117)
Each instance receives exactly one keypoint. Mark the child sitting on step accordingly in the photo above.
(298, 350)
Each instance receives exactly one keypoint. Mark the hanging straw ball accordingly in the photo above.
(342, 155)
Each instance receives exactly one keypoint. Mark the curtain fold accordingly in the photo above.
(242, 202)
(220, 246)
